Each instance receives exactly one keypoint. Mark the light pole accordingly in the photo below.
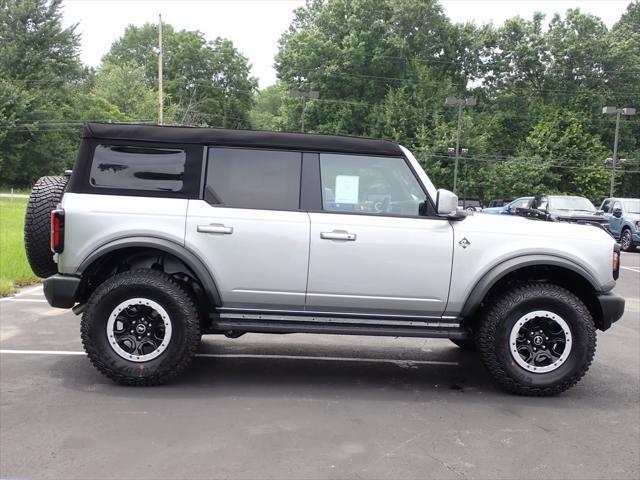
(304, 96)
(458, 102)
(618, 112)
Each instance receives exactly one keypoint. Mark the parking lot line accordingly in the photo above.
(29, 290)
(402, 362)
(637, 270)
(13, 299)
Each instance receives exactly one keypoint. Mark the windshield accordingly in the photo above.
(571, 203)
(632, 206)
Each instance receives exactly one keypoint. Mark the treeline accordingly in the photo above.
(381, 67)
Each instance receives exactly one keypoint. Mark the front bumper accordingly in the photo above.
(635, 239)
(61, 290)
(612, 308)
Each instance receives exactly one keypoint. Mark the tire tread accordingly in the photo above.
(496, 312)
(45, 196)
(192, 327)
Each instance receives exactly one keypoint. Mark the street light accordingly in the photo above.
(618, 111)
(459, 102)
(304, 96)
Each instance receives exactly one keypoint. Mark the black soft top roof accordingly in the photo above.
(241, 138)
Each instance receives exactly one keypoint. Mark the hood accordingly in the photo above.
(632, 217)
(512, 225)
(579, 216)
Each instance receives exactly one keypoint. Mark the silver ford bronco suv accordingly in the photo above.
(162, 234)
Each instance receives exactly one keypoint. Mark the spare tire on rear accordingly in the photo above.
(45, 196)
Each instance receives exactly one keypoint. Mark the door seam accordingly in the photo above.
(306, 290)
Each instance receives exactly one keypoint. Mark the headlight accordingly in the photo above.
(638, 226)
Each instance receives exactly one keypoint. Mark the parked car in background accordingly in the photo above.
(624, 220)
(565, 208)
(510, 208)
(499, 202)
(470, 204)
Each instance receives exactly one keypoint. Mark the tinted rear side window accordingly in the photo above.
(260, 179)
(138, 168)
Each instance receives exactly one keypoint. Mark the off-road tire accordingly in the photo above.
(504, 311)
(45, 196)
(468, 345)
(626, 241)
(173, 297)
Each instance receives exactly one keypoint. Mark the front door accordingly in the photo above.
(249, 228)
(371, 251)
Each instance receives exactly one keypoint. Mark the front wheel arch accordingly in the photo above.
(537, 268)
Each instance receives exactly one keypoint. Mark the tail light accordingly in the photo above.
(616, 261)
(57, 231)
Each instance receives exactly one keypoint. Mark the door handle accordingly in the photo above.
(215, 228)
(338, 235)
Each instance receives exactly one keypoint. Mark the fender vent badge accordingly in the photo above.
(464, 243)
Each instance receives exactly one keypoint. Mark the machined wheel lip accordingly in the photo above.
(146, 302)
(626, 239)
(522, 321)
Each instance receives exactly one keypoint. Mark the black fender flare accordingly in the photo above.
(498, 272)
(189, 258)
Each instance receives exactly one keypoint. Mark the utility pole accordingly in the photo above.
(458, 102)
(160, 92)
(304, 96)
(614, 161)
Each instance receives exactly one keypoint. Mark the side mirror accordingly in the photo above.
(617, 212)
(446, 202)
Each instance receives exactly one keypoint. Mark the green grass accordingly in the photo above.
(14, 268)
(18, 191)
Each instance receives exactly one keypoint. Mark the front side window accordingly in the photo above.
(606, 205)
(257, 179)
(138, 168)
(367, 184)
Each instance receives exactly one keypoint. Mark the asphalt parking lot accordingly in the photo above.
(300, 407)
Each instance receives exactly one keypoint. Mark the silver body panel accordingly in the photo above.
(494, 239)
(263, 261)
(94, 220)
(393, 263)
(422, 267)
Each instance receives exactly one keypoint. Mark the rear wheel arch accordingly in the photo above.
(150, 252)
(556, 270)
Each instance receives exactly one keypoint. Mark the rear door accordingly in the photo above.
(371, 251)
(249, 228)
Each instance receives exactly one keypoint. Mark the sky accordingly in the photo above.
(254, 26)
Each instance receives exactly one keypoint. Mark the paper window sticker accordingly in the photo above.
(347, 189)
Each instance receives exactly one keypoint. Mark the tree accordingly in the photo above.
(206, 83)
(266, 113)
(365, 56)
(39, 72)
(124, 87)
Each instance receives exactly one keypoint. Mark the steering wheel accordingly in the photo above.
(382, 206)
